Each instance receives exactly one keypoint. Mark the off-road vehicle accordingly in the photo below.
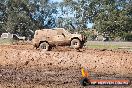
(46, 38)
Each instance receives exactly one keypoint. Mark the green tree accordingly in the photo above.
(18, 19)
(113, 18)
(3, 17)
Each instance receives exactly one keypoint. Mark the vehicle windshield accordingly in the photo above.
(66, 31)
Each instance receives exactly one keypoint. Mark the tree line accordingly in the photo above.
(109, 17)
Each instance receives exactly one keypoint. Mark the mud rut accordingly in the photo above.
(21, 66)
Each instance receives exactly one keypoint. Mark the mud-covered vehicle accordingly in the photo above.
(46, 38)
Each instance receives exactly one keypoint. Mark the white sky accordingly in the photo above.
(56, 0)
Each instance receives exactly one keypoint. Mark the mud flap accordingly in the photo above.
(82, 44)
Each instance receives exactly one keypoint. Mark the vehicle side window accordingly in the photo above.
(60, 32)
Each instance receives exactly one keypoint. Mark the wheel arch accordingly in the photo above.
(75, 38)
(49, 47)
(42, 42)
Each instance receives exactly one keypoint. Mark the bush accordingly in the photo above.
(127, 36)
(89, 34)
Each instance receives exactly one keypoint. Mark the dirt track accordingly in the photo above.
(24, 67)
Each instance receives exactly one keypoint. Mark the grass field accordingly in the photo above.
(103, 46)
(109, 45)
(5, 41)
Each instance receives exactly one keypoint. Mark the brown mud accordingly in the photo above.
(21, 66)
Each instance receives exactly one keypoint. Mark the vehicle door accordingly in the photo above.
(60, 37)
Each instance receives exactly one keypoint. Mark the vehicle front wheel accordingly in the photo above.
(75, 43)
(44, 46)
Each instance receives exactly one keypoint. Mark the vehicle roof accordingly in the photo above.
(54, 29)
(58, 28)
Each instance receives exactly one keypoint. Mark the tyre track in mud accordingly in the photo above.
(46, 77)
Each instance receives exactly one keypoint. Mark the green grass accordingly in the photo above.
(103, 46)
(6, 41)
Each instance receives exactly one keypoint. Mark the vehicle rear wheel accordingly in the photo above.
(44, 46)
(75, 43)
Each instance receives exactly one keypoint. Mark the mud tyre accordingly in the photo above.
(75, 43)
(44, 46)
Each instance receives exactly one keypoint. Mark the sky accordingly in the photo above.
(89, 24)
(56, 0)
